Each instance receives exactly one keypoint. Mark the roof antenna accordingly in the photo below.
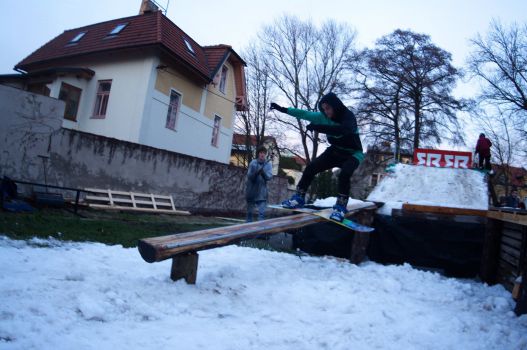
(149, 6)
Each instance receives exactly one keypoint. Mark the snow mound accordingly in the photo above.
(93, 296)
(446, 187)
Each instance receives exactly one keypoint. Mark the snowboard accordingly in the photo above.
(326, 213)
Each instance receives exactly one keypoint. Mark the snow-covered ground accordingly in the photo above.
(447, 187)
(93, 296)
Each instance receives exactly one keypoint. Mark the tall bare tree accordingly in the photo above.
(383, 109)
(304, 63)
(254, 121)
(507, 142)
(424, 78)
(499, 60)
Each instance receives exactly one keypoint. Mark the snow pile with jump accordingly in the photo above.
(60, 295)
(446, 187)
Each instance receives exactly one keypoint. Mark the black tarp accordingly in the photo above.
(439, 242)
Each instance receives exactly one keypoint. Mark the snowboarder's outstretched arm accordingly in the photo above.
(320, 123)
(313, 117)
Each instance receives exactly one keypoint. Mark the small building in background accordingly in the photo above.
(244, 148)
(293, 166)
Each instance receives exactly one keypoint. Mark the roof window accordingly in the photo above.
(77, 38)
(189, 46)
(118, 28)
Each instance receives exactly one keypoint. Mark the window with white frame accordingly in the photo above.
(173, 110)
(223, 79)
(102, 98)
(216, 131)
(189, 46)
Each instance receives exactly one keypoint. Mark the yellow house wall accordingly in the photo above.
(221, 103)
(173, 80)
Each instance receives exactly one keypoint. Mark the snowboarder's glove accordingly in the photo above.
(278, 107)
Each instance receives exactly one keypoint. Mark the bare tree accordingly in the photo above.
(499, 60)
(383, 110)
(426, 78)
(507, 143)
(304, 63)
(254, 121)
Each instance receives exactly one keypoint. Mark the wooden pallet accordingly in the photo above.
(132, 201)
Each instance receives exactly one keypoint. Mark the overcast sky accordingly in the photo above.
(25, 25)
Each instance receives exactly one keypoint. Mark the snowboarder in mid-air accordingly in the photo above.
(345, 151)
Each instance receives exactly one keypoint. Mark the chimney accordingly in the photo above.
(148, 6)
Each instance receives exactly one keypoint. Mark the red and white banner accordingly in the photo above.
(442, 159)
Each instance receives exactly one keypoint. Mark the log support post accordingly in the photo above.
(491, 251)
(361, 240)
(185, 266)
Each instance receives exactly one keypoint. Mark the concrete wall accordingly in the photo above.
(32, 127)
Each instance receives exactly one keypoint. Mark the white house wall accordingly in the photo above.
(130, 80)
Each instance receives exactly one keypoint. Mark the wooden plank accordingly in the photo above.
(514, 261)
(185, 266)
(443, 210)
(442, 217)
(514, 218)
(153, 201)
(511, 242)
(511, 251)
(513, 234)
(95, 198)
(164, 247)
(147, 210)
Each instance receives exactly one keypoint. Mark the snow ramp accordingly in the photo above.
(445, 187)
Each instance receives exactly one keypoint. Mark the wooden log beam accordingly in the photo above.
(164, 247)
(443, 210)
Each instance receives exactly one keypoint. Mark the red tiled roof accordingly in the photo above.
(215, 56)
(143, 30)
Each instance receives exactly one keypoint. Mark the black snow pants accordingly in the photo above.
(331, 158)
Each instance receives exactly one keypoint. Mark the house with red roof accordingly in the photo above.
(141, 79)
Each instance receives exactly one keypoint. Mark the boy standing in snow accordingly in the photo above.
(260, 171)
(339, 124)
(483, 149)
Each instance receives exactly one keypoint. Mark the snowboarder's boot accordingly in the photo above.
(296, 201)
(339, 209)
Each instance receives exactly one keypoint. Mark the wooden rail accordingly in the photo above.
(443, 210)
(183, 247)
